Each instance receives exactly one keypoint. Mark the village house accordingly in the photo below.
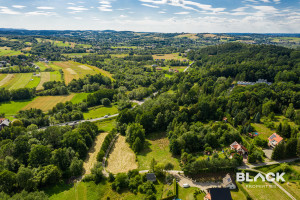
(158, 69)
(176, 71)
(151, 177)
(274, 140)
(239, 148)
(218, 194)
(171, 70)
(4, 122)
(228, 182)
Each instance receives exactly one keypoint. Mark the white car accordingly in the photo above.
(185, 185)
(106, 116)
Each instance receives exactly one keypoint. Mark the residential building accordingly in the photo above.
(274, 140)
(218, 194)
(4, 122)
(151, 177)
(228, 182)
(238, 148)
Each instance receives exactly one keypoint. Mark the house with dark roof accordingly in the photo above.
(151, 177)
(4, 122)
(218, 194)
(239, 148)
(274, 140)
(228, 182)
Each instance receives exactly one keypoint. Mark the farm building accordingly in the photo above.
(151, 177)
(218, 194)
(274, 139)
(4, 122)
(158, 69)
(228, 182)
(239, 148)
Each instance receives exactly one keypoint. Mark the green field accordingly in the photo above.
(33, 83)
(106, 125)
(55, 76)
(264, 131)
(76, 55)
(100, 111)
(20, 81)
(188, 193)
(43, 66)
(11, 108)
(79, 97)
(4, 52)
(157, 147)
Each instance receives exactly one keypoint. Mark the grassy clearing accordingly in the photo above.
(5, 78)
(237, 195)
(100, 111)
(45, 77)
(46, 103)
(20, 81)
(188, 193)
(6, 51)
(76, 55)
(34, 82)
(157, 147)
(118, 55)
(11, 108)
(2, 76)
(121, 158)
(264, 191)
(43, 66)
(188, 35)
(264, 131)
(106, 125)
(172, 56)
(79, 97)
(91, 158)
(55, 76)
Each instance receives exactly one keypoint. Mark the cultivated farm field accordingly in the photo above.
(6, 51)
(172, 56)
(45, 77)
(46, 103)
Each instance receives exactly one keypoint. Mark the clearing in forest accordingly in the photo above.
(84, 67)
(188, 35)
(171, 56)
(45, 77)
(122, 158)
(92, 154)
(46, 103)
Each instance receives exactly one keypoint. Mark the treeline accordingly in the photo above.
(33, 159)
(18, 94)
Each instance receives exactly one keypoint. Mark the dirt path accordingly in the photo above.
(92, 154)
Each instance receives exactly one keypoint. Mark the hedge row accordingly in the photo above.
(105, 145)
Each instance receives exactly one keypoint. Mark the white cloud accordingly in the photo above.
(182, 13)
(40, 13)
(148, 5)
(78, 18)
(18, 6)
(71, 4)
(45, 8)
(123, 16)
(77, 8)
(240, 9)
(5, 10)
(162, 12)
(105, 9)
(105, 6)
(277, 1)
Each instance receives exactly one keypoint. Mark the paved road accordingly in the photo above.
(251, 166)
(188, 67)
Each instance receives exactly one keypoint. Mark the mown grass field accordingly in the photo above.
(100, 111)
(43, 66)
(76, 55)
(188, 194)
(237, 195)
(11, 108)
(122, 158)
(46, 103)
(55, 76)
(188, 35)
(20, 81)
(34, 82)
(45, 77)
(172, 56)
(157, 147)
(79, 97)
(264, 131)
(6, 51)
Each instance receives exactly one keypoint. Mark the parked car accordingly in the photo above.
(185, 185)
(106, 116)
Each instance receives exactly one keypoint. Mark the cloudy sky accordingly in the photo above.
(255, 16)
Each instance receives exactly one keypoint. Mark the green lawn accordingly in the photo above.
(79, 97)
(20, 81)
(168, 75)
(157, 147)
(2, 76)
(55, 76)
(76, 55)
(106, 125)
(33, 83)
(41, 65)
(237, 195)
(12, 107)
(4, 52)
(100, 111)
(188, 193)
(264, 131)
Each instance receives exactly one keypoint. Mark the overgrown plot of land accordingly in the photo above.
(157, 147)
(92, 154)
(46, 103)
(100, 111)
(121, 158)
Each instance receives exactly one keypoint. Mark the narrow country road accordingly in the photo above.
(188, 67)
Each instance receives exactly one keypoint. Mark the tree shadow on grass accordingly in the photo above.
(58, 188)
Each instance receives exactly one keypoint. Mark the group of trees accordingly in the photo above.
(18, 94)
(32, 159)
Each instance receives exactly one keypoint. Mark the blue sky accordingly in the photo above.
(196, 16)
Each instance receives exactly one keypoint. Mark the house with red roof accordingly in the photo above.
(239, 148)
(274, 140)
